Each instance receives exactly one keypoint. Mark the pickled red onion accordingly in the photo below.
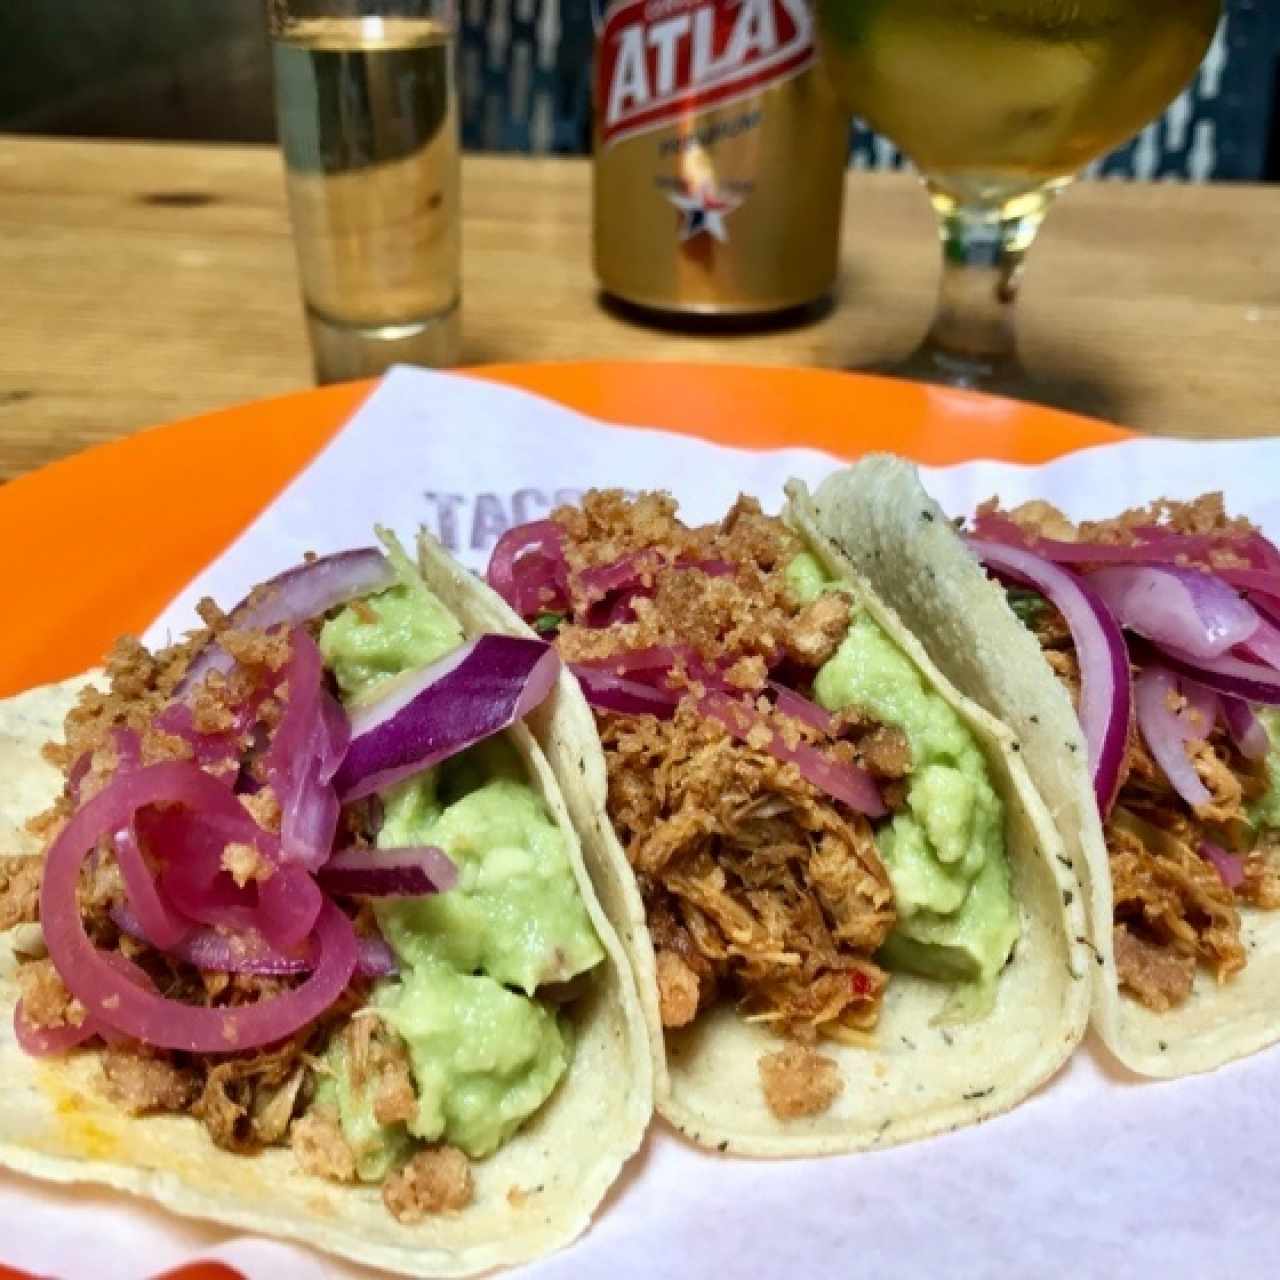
(305, 752)
(527, 568)
(792, 704)
(844, 782)
(1192, 610)
(1165, 730)
(1247, 731)
(116, 1000)
(474, 692)
(381, 873)
(1230, 866)
(294, 596)
(1105, 680)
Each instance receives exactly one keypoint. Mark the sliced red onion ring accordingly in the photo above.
(845, 782)
(1230, 866)
(476, 691)
(1105, 680)
(1263, 644)
(792, 704)
(192, 841)
(712, 568)
(1159, 547)
(115, 999)
(77, 773)
(1260, 551)
(208, 748)
(389, 873)
(164, 926)
(303, 592)
(289, 906)
(1248, 680)
(190, 844)
(650, 665)
(217, 951)
(1265, 580)
(613, 589)
(40, 1042)
(605, 690)
(1192, 610)
(598, 582)
(1267, 605)
(528, 569)
(635, 681)
(1247, 731)
(128, 748)
(1165, 731)
(618, 611)
(305, 753)
(376, 958)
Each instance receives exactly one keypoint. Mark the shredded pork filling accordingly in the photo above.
(1173, 910)
(758, 887)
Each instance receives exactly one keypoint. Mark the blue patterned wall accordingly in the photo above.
(525, 68)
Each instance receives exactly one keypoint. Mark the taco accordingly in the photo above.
(1138, 659)
(299, 937)
(849, 911)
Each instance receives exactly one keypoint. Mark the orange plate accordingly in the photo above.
(106, 538)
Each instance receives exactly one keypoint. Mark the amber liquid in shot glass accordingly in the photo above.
(368, 122)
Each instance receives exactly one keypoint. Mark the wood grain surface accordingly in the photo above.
(143, 282)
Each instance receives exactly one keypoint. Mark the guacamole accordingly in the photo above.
(945, 850)
(484, 1057)
(396, 630)
(1265, 811)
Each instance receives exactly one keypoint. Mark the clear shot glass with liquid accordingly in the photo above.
(367, 106)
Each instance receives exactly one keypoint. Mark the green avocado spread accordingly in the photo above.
(945, 849)
(1265, 811)
(486, 1050)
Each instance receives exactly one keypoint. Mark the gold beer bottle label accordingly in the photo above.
(719, 156)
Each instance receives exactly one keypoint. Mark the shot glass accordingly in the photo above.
(366, 100)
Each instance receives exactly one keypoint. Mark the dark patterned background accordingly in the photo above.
(199, 69)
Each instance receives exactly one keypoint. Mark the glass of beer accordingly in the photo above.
(368, 116)
(999, 103)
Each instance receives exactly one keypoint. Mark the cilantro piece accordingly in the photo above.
(1028, 605)
(545, 623)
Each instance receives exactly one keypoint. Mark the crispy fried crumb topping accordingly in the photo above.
(797, 1081)
(436, 1180)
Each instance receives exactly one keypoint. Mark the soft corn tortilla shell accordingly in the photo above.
(535, 1195)
(899, 537)
(921, 1077)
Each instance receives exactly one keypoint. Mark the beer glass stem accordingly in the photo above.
(972, 341)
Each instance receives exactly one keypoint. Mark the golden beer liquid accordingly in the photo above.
(787, 166)
(994, 98)
(370, 136)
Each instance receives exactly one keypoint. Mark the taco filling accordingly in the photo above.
(299, 886)
(1164, 626)
(803, 814)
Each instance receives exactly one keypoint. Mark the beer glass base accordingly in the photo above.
(1001, 375)
(343, 352)
(1057, 388)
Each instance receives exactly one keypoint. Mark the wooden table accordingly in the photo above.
(143, 282)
